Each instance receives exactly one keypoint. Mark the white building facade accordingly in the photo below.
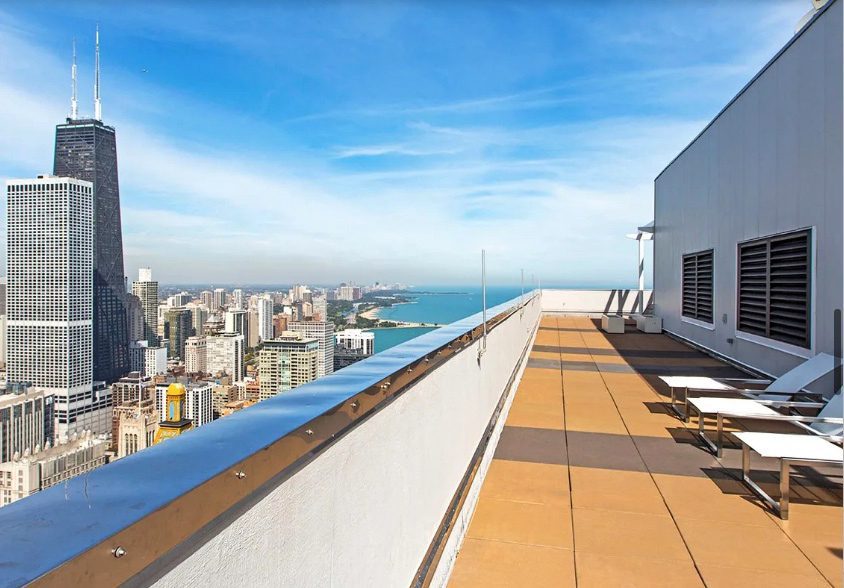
(50, 297)
(224, 353)
(147, 291)
(357, 340)
(199, 405)
(146, 359)
(265, 318)
(196, 355)
(323, 332)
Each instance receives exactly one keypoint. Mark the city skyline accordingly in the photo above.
(422, 165)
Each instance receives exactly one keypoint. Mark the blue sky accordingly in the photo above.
(264, 143)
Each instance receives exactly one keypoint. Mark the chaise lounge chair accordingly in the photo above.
(787, 387)
(819, 444)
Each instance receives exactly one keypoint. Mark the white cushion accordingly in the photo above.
(701, 382)
(738, 406)
(783, 445)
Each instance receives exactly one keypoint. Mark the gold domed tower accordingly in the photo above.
(173, 421)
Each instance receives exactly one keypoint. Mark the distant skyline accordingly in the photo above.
(383, 141)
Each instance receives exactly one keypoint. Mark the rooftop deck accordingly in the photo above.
(593, 482)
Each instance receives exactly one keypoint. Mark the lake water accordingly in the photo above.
(440, 305)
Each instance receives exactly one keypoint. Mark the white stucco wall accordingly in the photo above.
(365, 511)
(592, 302)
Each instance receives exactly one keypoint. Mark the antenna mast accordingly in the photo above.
(74, 108)
(98, 105)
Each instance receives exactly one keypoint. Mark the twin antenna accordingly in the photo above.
(74, 103)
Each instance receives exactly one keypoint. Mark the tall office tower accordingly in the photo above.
(320, 308)
(178, 300)
(237, 299)
(199, 314)
(287, 362)
(26, 421)
(179, 326)
(86, 149)
(147, 290)
(196, 355)
(219, 299)
(134, 318)
(252, 328)
(237, 321)
(224, 353)
(49, 325)
(207, 298)
(323, 332)
(265, 318)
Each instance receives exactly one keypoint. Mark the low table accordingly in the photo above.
(737, 407)
(686, 382)
(789, 450)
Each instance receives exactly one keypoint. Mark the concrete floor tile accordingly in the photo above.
(597, 570)
(527, 482)
(628, 534)
(493, 564)
(522, 522)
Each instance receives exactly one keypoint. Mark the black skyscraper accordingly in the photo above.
(86, 149)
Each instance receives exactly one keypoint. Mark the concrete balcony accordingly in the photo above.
(539, 454)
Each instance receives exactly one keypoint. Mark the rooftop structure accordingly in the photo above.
(525, 445)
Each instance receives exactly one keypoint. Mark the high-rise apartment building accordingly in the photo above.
(237, 299)
(357, 340)
(207, 298)
(349, 293)
(280, 324)
(265, 318)
(179, 300)
(196, 355)
(252, 338)
(198, 407)
(179, 328)
(237, 321)
(86, 149)
(323, 332)
(224, 353)
(320, 308)
(287, 362)
(26, 421)
(135, 318)
(146, 289)
(49, 244)
(199, 315)
(146, 359)
(219, 299)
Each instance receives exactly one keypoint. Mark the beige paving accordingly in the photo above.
(594, 484)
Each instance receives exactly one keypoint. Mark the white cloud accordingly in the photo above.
(198, 212)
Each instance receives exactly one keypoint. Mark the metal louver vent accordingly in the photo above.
(774, 288)
(697, 285)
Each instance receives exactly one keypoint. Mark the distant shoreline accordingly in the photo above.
(408, 326)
